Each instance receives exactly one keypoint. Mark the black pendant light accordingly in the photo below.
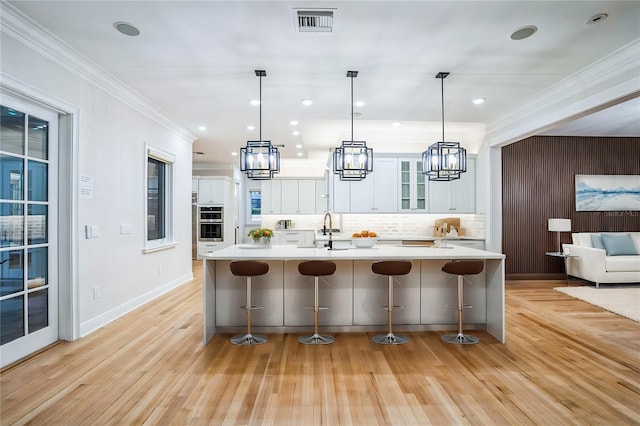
(259, 159)
(444, 161)
(352, 160)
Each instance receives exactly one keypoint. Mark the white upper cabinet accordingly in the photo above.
(377, 193)
(289, 196)
(412, 186)
(212, 191)
(456, 196)
(298, 196)
(271, 196)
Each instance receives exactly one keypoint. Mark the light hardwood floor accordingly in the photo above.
(565, 362)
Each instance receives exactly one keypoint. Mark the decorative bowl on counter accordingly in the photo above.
(364, 242)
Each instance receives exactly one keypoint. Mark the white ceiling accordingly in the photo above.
(196, 61)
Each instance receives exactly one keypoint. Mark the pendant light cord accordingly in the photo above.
(442, 104)
(351, 107)
(260, 119)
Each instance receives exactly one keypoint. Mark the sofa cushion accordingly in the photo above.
(596, 241)
(623, 264)
(618, 245)
(582, 239)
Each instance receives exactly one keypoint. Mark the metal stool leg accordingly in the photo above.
(390, 338)
(248, 338)
(316, 338)
(460, 338)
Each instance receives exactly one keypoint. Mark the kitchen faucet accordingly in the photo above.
(324, 228)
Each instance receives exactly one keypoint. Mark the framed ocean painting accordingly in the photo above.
(607, 192)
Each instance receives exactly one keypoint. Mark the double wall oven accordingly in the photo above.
(210, 223)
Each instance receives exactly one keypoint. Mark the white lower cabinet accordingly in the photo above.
(333, 291)
(267, 291)
(204, 248)
(294, 237)
(371, 292)
(476, 244)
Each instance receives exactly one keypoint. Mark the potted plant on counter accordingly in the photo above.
(261, 236)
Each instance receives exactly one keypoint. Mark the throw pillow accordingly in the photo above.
(596, 241)
(618, 245)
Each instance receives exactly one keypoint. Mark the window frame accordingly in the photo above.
(168, 160)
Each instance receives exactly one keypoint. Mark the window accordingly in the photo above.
(158, 210)
(256, 205)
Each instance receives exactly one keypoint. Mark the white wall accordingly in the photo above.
(111, 139)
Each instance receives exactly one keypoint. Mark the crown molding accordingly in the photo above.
(606, 82)
(20, 27)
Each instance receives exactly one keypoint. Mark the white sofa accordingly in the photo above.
(593, 264)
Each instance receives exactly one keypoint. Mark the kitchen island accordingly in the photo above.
(354, 293)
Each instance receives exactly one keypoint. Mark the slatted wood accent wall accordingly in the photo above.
(538, 182)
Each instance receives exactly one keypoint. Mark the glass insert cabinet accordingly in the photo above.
(413, 186)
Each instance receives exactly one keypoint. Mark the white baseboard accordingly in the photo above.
(115, 313)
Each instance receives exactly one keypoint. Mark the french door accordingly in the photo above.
(28, 229)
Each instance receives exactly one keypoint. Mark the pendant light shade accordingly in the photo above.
(259, 159)
(444, 161)
(352, 160)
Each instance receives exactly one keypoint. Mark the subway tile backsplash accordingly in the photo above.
(388, 225)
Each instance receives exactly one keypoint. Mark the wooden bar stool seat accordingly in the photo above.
(391, 268)
(316, 269)
(248, 268)
(462, 268)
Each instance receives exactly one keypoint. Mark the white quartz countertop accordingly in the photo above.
(379, 252)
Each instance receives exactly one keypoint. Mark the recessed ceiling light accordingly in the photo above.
(293, 123)
(126, 29)
(251, 127)
(359, 104)
(295, 132)
(299, 154)
(202, 128)
(255, 102)
(597, 18)
(478, 101)
(234, 153)
(299, 146)
(306, 102)
(524, 32)
(396, 124)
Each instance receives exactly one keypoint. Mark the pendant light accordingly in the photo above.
(259, 159)
(444, 161)
(352, 160)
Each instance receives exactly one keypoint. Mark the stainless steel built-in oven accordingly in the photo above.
(210, 223)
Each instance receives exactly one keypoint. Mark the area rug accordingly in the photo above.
(621, 300)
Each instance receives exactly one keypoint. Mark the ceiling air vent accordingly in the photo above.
(314, 21)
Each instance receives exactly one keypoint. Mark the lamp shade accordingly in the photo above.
(560, 225)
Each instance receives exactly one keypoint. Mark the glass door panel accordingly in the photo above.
(11, 224)
(27, 294)
(11, 131)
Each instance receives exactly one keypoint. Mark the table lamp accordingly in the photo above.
(558, 226)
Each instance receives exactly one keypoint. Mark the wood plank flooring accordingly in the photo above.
(565, 362)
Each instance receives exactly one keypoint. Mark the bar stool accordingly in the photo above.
(315, 269)
(462, 268)
(248, 268)
(391, 268)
